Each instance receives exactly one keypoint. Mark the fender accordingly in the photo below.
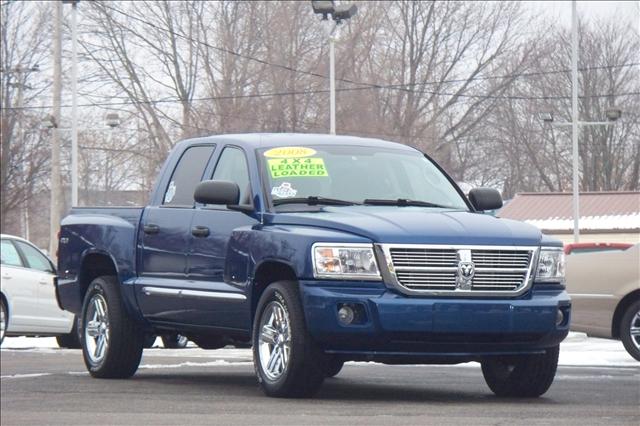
(286, 244)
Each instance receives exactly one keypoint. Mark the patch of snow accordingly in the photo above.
(577, 350)
(216, 363)
(628, 221)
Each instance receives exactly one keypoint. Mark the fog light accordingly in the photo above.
(346, 315)
(559, 317)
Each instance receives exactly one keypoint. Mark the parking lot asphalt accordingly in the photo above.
(192, 386)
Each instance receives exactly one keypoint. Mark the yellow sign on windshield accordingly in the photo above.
(297, 167)
(289, 152)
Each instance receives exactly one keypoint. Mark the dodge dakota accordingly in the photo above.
(315, 250)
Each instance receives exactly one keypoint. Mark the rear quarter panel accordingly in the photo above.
(108, 231)
(596, 283)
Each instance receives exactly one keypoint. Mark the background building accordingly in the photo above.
(604, 216)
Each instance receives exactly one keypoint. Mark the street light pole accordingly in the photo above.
(332, 83)
(338, 13)
(574, 121)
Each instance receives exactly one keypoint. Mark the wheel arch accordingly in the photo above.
(267, 272)
(5, 300)
(94, 264)
(624, 303)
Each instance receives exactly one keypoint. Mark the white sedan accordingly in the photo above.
(28, 305)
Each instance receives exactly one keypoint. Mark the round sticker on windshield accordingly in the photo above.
(289, 152)
(284, 191)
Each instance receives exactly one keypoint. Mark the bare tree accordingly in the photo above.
(24, 156)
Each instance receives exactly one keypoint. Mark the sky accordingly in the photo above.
(619, 10)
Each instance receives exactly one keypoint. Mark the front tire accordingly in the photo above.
(527, 376)
(111, 341)
(630, 330)
(286, 360)
(332, 367)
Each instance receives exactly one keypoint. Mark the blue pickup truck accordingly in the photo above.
(315, 250)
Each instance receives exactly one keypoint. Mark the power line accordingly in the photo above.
(371, 85)
(224, 49)
(318, 91)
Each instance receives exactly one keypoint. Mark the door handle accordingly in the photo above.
(200, 231)
(6, 276)
(151, 229)
(43, 282)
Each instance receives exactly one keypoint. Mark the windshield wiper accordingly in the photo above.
(314, 201)
(402, 202)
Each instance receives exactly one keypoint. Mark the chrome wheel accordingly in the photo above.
(634, 330)
(274, 340)
(3, 321)
(96, 330)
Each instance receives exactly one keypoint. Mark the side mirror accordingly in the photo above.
(217, 192)
(485, 199)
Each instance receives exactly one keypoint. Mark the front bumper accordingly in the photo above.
(399, 327)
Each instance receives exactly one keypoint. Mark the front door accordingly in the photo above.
(223, 303)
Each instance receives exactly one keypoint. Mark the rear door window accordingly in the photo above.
(187, 174)
(9, 254)
(34, 258)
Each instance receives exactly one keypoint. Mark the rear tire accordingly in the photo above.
(72, 339)
(149, 340)
(526, 376)
(286, 360)
(630, 330)
(111, 340)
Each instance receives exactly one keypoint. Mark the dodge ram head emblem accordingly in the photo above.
(466, 270)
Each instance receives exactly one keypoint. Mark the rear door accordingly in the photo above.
(20, 287)
(165, 234)
(51, 318)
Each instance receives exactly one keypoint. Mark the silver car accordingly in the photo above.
(605, 294)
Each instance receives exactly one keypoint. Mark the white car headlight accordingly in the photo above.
(550, 265)
(345, 261)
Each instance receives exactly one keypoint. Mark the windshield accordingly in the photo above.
(356, 174)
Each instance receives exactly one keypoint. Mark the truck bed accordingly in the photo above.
(90, 231)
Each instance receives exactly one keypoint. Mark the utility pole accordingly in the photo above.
(574, 120)
(612, 114)
(56, 184)
(74, 101)
(74, 108)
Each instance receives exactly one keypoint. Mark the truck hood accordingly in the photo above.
(416, 225)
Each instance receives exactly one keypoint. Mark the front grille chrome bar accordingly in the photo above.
(473, 271)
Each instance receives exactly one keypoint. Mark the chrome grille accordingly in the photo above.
(433, 269)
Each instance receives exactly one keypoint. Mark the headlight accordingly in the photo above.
(550, 265)
(344, 261)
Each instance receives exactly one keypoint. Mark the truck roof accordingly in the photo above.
(270, 140)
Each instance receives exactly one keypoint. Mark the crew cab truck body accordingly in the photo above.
(316, 250)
